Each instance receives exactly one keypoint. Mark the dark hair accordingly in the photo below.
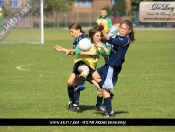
(131, 34)
(77, 26)
(93, 31)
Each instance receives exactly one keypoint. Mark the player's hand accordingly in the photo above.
(99, 43)
(117, 25)
(101, 25)
(57, 48)
(67, 52)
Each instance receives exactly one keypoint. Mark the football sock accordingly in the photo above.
(71, 93)
(107, 103)
(99, 100)
(77, 96)
(81, 79)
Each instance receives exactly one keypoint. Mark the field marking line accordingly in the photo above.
(20, 67)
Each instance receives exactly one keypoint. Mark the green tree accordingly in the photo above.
(119, 8)
(55, 6)
(58, 5)
(7, 10)
(135, 5)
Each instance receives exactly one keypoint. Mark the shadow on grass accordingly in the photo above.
(116, 112)
(86, 107)
(91, 107)
(121, 112)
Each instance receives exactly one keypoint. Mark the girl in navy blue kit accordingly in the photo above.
(76, 32)
(107, 75)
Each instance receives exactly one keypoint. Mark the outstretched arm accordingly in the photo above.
(67, 51)
(88, 53)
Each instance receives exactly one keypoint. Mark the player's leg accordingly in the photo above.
(84, 71)
(70, 90)
(99, 90)
(108, 103)
(108, 84)
(97, 78)
(99, 105)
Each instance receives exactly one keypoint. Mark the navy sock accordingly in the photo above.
(107, 103)
(71, 93)
(99, 100)
(77, 96)
(81, 79)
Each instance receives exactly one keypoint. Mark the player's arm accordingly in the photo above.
(70, 52)
(79, 52)
(119, 42)
(66, 51)
(88, 53)
(103, 50)
(115, 41)
(112, 31)
(102, 46)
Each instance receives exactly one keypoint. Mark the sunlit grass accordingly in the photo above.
(33, 81)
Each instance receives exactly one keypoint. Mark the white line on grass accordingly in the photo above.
(20, 67)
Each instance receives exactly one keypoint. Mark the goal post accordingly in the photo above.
(25, 24)
(42, 21)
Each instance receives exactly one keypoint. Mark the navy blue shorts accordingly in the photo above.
(109, 76)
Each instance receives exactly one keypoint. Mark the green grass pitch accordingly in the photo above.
(33, 79)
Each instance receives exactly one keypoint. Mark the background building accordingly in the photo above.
(12, 3)
(84, 12)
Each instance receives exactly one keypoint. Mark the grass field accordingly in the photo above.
(33, 82)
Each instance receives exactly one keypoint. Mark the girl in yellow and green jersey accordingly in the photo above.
(106, 21)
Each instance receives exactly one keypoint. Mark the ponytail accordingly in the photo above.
(84, 32)
(131, 36)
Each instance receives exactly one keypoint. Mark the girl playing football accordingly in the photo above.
(84, 65)
(76, 32)
(107, 75)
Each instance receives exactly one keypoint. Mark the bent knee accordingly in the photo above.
(70, 82)
(96, 76)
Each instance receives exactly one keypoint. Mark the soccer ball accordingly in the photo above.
(84, 44)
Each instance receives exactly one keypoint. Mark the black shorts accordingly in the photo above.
(76, 72)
